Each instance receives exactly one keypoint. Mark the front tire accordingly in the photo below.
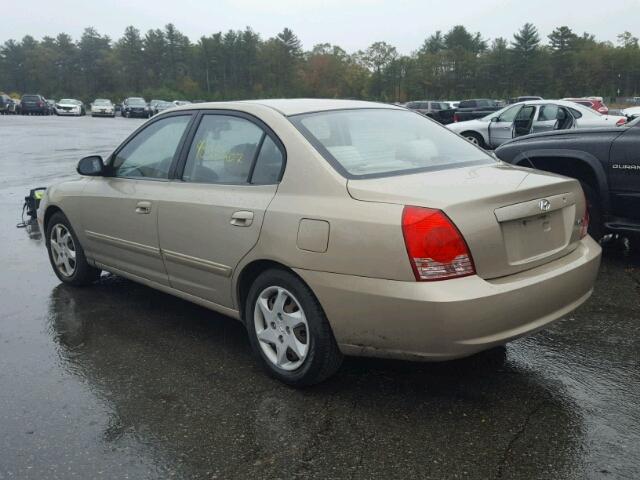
(66, 254)
(289, 331)
(474, 138)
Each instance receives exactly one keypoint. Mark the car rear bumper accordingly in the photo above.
(453, 318)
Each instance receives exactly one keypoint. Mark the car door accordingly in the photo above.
(501, 129)
(524, 121)
(624, 174)
(546, 119)
(213, 216)
(120, 211)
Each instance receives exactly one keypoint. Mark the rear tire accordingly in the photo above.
(66, 254)
(288, 330)
(594, 207)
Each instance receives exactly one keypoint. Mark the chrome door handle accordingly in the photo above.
(242, 218)
(143, 207)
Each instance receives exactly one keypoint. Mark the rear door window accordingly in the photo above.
(223, 150)
(548, 113)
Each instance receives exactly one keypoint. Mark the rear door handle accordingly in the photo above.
(143, 207)
(242, 218)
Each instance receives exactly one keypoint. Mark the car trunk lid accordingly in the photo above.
(512, 218)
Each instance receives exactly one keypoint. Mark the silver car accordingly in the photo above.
(525, 118)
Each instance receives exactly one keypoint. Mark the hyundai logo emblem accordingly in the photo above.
(544, 205)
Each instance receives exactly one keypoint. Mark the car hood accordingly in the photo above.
(67, 104)
(466, 125)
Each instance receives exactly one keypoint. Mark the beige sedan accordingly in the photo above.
(328, 228)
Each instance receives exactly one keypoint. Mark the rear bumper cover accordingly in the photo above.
(453, 318)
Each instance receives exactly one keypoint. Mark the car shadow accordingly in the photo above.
(182, 381)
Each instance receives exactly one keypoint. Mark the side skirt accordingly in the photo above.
(230, 312)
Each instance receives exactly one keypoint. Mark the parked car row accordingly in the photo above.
(447, 112)
(36, 104)
(536, 116)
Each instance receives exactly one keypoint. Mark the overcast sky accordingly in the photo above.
(352, 24)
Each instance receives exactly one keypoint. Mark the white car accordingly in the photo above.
(69, 106)
(534, 116)
(101, 107)
(631, 112)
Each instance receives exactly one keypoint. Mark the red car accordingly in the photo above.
(595, 103)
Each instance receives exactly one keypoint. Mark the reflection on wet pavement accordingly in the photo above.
(120, 381)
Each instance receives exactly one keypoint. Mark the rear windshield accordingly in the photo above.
(30, 98)
(365, 143)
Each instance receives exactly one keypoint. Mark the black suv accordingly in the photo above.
(135, 107)
(604, 160)
(33, 105)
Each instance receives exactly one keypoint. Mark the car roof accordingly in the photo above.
(294, 106)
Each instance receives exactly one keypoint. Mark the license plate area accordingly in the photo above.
(530, 239)
(530, 234)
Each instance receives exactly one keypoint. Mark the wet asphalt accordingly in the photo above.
(120, 381)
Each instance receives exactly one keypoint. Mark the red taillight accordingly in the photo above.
(621, 121)
(436, 248)
(40, 104)
(455, 118)
(584, 221)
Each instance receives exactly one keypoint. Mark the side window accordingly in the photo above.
(575, 113)
(510, 114)
(525, 113)
(150, 153)
(223, 150)
(548, 113)
(268, 165)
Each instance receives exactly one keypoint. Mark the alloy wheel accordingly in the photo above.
(281, 327)
(63, 250)
(473, 140)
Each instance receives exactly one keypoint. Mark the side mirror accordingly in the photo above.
(91, 166)
(494, 119)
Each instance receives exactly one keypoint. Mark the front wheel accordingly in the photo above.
(474, 138)
(66, 254)
(289, 331)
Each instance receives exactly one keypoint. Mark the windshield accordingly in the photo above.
(377, 142)
(68, 100)
(102, 101)
(136, 101)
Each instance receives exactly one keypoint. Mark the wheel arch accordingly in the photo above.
(249, 273)
(477, 134)
(51, 209)
(572, 163)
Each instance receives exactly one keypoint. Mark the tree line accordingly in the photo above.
(165, 63)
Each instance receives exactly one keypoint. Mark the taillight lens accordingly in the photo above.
(621, 121)
(436, 248)
(456, 118)
(584, 222)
